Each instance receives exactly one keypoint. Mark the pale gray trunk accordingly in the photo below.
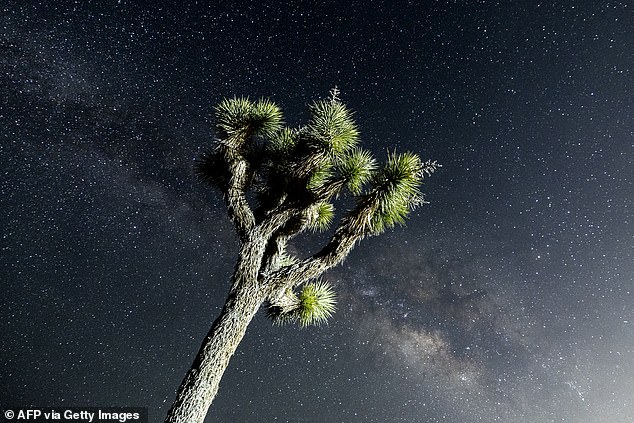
(202, 380)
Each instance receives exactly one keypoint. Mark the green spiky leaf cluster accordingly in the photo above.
(313, 305)
(320, 177)
(320, 216)
(357, 167)
(332, 128)
(310, 165)
(238, 118)
(397, 190)
(282, 142)
(317, 303)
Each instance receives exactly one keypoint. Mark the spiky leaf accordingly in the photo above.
(320, 177)
(282, 142)
(332, 127)
(238, 118)
(317, 301)
(266, 118)
(232, 118)
(397, 190)
(356, 167)
(320, 216)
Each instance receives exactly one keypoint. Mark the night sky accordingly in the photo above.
(509, 298)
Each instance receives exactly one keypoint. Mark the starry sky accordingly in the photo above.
(507, 299)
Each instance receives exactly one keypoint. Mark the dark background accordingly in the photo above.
(508, 298)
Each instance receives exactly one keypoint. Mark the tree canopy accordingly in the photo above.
(282, 181)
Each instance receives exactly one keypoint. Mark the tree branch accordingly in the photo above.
(293, 223)
(353, 228)
(238, 207)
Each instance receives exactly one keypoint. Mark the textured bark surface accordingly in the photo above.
(202, 380)
(201, 383)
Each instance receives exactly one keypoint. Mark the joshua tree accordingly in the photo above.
(278, 182)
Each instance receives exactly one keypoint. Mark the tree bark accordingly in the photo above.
(200, 385)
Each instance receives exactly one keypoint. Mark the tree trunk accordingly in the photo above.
(201, 382)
